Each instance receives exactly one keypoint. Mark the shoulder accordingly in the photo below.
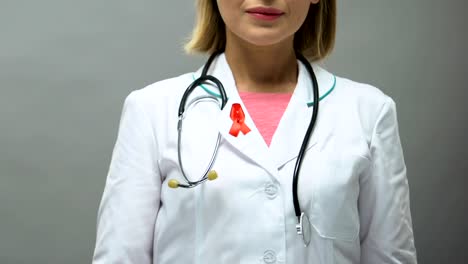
(365, 98)
(360, 94)
(160, 93)
(346, 92)
(165, 88)
(361, 104)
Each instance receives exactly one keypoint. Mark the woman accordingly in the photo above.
(352, 192)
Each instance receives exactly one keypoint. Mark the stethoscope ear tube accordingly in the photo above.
(201, 80)
(198, 82)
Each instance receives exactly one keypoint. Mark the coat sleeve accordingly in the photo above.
(386, 232)
(131, 197)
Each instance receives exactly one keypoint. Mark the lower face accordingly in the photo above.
(251, 22)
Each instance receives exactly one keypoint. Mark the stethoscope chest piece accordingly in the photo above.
(303, 229)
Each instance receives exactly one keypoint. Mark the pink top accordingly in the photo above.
(266, 110)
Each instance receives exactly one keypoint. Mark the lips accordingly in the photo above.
(266, 11)
(266, 14)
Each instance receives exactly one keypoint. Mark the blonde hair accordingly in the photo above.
(314, 39)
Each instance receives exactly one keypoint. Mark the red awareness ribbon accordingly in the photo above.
(238, 118)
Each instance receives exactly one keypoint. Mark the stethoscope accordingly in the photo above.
(303, 226)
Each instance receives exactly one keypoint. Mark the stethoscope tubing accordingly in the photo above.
(303, 224)
(191, 184)
(307, 136)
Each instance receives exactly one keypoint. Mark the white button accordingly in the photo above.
(269, 257)
(271, 190)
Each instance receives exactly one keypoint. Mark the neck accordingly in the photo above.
(270, 69)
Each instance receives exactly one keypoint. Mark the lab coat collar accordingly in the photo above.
(221, 69)
(289, 135)
(291, 130)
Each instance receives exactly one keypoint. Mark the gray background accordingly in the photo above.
(66, 67)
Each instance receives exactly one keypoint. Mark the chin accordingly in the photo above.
(262, 38)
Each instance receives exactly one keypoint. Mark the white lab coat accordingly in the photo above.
(352, 185)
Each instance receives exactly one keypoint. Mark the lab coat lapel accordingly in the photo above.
(289, 135)
(251, 145)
